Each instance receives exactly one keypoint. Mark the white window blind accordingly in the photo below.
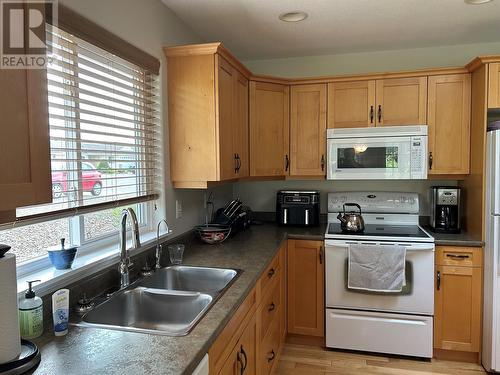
(104, 130)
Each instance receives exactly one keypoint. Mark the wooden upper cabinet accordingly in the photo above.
(240, 135)
(351, 104)
(269, 129)
(24, 140)
(448, 117)
(401, 101)
(308, 130)
(233, 121)
(227, 128)
(306, 306)
(208, 115)
(494, 85)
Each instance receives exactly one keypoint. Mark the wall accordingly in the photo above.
(380, 61)
(261, 196)
(150, 25)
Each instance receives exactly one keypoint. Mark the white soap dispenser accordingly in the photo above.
(31, 314)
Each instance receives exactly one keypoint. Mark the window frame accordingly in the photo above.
(95, 245)
(147, 207)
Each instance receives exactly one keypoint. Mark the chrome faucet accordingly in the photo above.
(158, 246)
(124, 254)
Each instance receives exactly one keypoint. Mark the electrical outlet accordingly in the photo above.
(178, 209)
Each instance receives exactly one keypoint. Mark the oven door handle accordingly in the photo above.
(408, 248)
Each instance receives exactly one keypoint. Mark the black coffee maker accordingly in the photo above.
(445, 209)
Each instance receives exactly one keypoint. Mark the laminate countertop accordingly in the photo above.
(97, 351)
(460, 239)
(100, 351)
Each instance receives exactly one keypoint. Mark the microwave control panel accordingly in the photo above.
(418, 157)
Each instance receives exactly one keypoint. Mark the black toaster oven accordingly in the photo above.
(299, 208)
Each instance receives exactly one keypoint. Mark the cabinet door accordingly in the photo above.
(449, 124)
(284, 283)
(351, 104)
(24, 139)
(240, 140)
(494, 85)
(306, 308)
(269, 129)
(457, 315)
(401, 101)
(242, 359)
(308, 130)
(225, 107)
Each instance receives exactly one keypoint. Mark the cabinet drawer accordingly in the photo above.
(270, 307)
(459, 256)
(269, 348)
(271, 273)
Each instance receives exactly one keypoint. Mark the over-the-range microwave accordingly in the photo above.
(377, 153)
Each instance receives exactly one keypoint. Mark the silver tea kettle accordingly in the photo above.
(351, 221)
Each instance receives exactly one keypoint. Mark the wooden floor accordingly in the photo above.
(309, 360)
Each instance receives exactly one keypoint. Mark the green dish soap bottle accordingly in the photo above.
(31, 314)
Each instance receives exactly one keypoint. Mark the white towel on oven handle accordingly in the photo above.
(376, 268)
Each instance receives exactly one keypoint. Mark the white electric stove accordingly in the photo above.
(393, 323)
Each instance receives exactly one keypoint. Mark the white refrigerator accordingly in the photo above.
(491, 315)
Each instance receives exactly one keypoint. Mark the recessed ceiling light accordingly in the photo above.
(477, 2)
(296, 16)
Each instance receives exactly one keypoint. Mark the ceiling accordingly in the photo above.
(251, 28)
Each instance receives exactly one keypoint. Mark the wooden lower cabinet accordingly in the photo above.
(306, 284)
(458, 300)
(250, 343)
(242, 358)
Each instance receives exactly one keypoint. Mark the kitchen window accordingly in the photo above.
(104, 144)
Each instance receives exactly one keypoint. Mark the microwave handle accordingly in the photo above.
(285, 215)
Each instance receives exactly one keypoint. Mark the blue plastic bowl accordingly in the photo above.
(62, 259)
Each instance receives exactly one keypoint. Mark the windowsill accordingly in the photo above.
(84, 265)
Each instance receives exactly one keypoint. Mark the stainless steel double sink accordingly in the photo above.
(170, 302)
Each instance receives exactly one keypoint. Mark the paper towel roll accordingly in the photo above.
(10, 340)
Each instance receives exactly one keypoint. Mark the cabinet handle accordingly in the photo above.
(379, 113)
(323, 162)
(271, 356)
(458, 256)
(287, 162)
(271, 307)
(371, 114)
(245, 358)
(235, 163)
(438, 280)
(240, 361)
(321, 255)
(238, 162)
(431, 159)
(271, 273)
